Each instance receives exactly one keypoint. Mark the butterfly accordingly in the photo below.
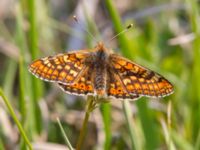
(100, 72)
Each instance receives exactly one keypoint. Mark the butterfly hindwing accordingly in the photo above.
(83, 85)
(139, 80)
(115, 87)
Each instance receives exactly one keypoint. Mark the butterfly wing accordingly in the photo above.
(83, 86)
(116, 89)
(139, 80)
(63, 68)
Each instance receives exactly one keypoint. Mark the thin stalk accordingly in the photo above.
(106, 114)
(20, 41)
(37, 87)
(197, 143)
(167, 135)
(64, 135)
(33, 29)
(169, 128)
(89, 107)
(83, 131)
(135, 141)
(194, 80)
(180, 142)
(16, 120)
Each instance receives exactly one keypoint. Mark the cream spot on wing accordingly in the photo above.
(49, 65)
(126, 81)
(74, 73)
(59, 67)
(46, 62)
(82, 79)
(141, 79)
(65, 57)
(67, 67)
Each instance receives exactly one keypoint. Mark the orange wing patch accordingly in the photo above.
(116, 89)
(139, 80)
(83, 86)
(62, 68)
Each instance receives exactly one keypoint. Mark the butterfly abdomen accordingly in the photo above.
(100, 72)
(100, 80)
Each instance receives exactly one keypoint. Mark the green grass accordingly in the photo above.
(34, 51)
(38, 29)
(64, 135)
(195, 72)
(106, 114)
(17, 122)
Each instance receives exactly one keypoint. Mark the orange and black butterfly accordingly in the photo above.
(100, 72)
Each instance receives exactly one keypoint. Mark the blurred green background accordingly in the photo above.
(165, 38)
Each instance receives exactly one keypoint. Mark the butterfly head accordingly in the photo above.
(101, 51)
(100, 46)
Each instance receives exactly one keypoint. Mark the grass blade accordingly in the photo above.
(64, 135)
(12, 113)
(195, 73)
(136, 142)
(37, 88)
(106, 114)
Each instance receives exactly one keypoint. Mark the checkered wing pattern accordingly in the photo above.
(138, 80)
(63, 68)
(83, 86)
(116, 89)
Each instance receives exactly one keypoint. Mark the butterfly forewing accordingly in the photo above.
(139, 80)
(62, 68)
(83, 86)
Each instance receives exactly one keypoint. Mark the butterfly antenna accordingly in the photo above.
(84, 29)
(123, 31)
